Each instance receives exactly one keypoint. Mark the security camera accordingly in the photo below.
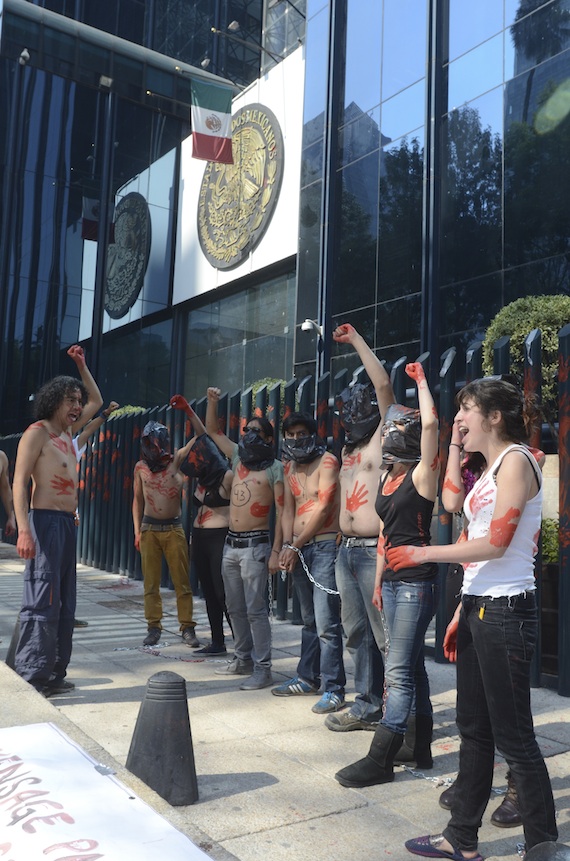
(24, 57)
(307, 325)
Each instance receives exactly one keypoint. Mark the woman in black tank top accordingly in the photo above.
(407, 599)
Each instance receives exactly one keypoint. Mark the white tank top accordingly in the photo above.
(513, 573)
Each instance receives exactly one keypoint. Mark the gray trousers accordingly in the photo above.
(245, 575)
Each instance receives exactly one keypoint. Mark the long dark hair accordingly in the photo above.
(520, 414)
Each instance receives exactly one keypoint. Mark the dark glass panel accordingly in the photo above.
(545, 277)
(471, 196)
(540, 35)
(400, 218)
(355, 269)
(537, 169)
(144, 382)
(403, 44)
(312, 163)
(364, 321)
(309, 250)
(397, 323)
(476, 72)
(363, 39)
(360, 137)
(472, 23)
(405, 112)
(470, 306)
(316, 68)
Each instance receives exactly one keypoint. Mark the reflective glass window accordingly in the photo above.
(405, 111)
(308, 260)
(316, 65)
(400, 217)
(404, 41)
(471, 213)
(312, 163)
(398, 323)
(467, 308)
(476, 72)
(355, 271)
(539, 36)
(360, 137)
(363, 41)
(472, 23)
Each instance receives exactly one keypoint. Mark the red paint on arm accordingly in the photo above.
(503, 528)
(435, 463)
(381, 545)
(449, 485)
(242, 471)
(330, 462)
(415, 371)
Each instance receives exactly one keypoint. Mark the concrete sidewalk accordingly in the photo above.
(265, 764)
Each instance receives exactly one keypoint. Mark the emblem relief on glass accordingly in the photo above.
(127, 257)
(237, 200)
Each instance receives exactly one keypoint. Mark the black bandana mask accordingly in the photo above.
(401, 446)
(254, 452)
(155, 446)
(303, 450)
(359, 413)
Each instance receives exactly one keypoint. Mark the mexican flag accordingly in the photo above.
(211, 122)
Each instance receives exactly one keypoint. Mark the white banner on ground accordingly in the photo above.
(55, 805)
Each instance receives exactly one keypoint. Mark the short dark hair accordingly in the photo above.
(265, 424)
(52, 394)
(300, 419)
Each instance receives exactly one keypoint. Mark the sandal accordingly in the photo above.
(428, 847)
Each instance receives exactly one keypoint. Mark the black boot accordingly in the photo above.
(447, 797)
(416, 750)
(507, 815)
(378, 765)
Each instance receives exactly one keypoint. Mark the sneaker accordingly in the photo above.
(212, 649)
(152, 637)
(190, 638)
(347, 721)
(294, 688)
(329, 702)
(79, 623)
(235, 667)
(260, 678)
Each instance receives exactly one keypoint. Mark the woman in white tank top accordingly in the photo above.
(495, 629)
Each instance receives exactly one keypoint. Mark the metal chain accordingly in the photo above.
(308, 573)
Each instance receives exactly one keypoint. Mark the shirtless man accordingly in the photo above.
(46, 527)
(157, 510)
(310, 529)
(6, 495)
(256, 486)
(356, 559)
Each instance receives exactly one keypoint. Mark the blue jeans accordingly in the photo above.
(493, 708)
(355, 576)
(245, 575)
(408, 609)
(321, 661)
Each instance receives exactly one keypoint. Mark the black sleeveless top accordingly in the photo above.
(407, 519)
(212, 499)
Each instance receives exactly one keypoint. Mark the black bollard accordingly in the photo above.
(548, 852)
(11, 653)
(161, 752)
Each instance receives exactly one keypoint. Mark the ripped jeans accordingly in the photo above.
(408, 610)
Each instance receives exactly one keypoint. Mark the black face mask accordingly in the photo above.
(155, 446)
(254, 452)
(303, 450)
(401, 446)
(359, 413)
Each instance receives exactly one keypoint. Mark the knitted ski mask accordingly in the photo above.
(155, 446)
(401, 445)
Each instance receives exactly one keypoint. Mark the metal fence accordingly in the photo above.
(105, 535)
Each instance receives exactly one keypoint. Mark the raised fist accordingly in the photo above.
(415, 371)
(344, 334)
(77, 354)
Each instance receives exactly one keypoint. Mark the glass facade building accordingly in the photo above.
(435, 169)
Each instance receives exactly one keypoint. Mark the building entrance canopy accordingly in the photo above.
(62, 46)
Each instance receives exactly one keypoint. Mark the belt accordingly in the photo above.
(159, 527)
(322, 536)
(354, 541)
(247, 542)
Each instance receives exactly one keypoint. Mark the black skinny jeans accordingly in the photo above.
(207, 551)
